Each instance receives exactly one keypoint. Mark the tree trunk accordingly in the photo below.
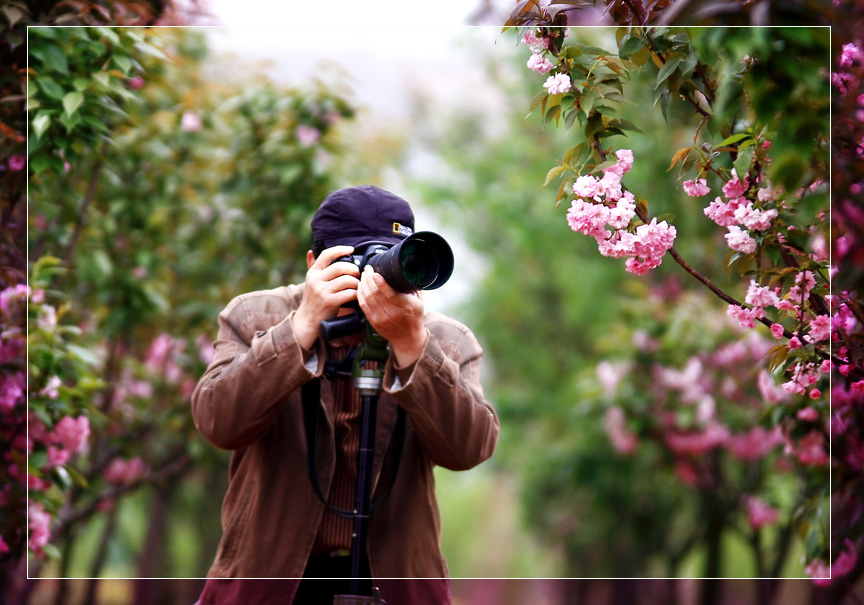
(99, 560)
(151, 564)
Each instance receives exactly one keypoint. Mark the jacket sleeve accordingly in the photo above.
(254, 370)
(457, 427)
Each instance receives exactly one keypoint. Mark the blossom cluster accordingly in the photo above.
(737, 213)
(26, 433)
(697, 409)
(602, 203)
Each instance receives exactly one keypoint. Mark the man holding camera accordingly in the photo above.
(278, 395)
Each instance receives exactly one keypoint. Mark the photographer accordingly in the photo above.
(254, 400)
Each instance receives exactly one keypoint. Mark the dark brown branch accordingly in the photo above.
(179, 464)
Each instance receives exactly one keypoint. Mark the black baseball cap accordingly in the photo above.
(357, 216)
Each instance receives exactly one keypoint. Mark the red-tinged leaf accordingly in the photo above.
(679, 156)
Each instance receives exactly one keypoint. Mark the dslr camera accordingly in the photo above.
(422, 261)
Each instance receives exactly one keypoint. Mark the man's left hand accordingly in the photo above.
(396, 316)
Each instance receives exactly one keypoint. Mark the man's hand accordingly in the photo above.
(396, 316)
(328, 287)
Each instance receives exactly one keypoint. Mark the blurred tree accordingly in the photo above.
(157, 196)
(540, 327)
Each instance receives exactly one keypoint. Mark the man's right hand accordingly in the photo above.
(328, 287)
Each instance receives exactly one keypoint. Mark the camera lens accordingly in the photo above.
(419, 263)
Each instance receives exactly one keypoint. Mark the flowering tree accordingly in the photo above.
(750, 138)
(156, 196)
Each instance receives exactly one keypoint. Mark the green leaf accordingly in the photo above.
(77, 477)
(742, 162)
(72, 101)
(51, 88)
(123, 62)
(149, 49)
(553, 173)
(83, 354)
(41, 124)
(667, 70)
(733, 139)
(630, 44)
(55, 59)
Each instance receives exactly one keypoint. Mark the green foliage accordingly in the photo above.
(187, 193)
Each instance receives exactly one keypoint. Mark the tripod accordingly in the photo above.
(368, 381)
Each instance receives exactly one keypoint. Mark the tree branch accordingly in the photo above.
(82, 212)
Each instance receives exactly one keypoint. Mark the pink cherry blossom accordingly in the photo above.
(587, 186)
(623, 212)
(744, 316)
(811, 449)
(820, 327)
(12, 390)
(557, 84)
(752, 218)
(537, 62)
(615, 423)
(654, 239)
(740, 240)
(755, 443)
(713, 436)
(136, 83)
(616, 244)
(819, 571)
(530, 38)
(125, 471)
(850, 54)
(587, 218)
(610, 185)
(57, 457)
(307, 135)
(696, 188)
(17, 162)
(190, 122)
(808, 414)
(777, 330)
(759, 513)
(72, 433)
(40, 526)
(768, 389)
(625, 159)
(760, 296)
(734, 188)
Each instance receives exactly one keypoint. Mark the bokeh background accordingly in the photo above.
(185, 171)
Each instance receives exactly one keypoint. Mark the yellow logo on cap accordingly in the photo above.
(400, 229)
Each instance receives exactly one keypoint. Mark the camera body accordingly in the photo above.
(422, 261)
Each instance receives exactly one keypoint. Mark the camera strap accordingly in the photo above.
(311, 395)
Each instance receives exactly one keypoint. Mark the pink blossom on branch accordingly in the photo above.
(734, 188)
(696, 188)
(557, 84)
(615, 423)
(824, 575)
(740, 241)
(125, 471)
(539, 63)
(72, 433)
(759, 513)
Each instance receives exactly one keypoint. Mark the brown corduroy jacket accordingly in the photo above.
(249, 401)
